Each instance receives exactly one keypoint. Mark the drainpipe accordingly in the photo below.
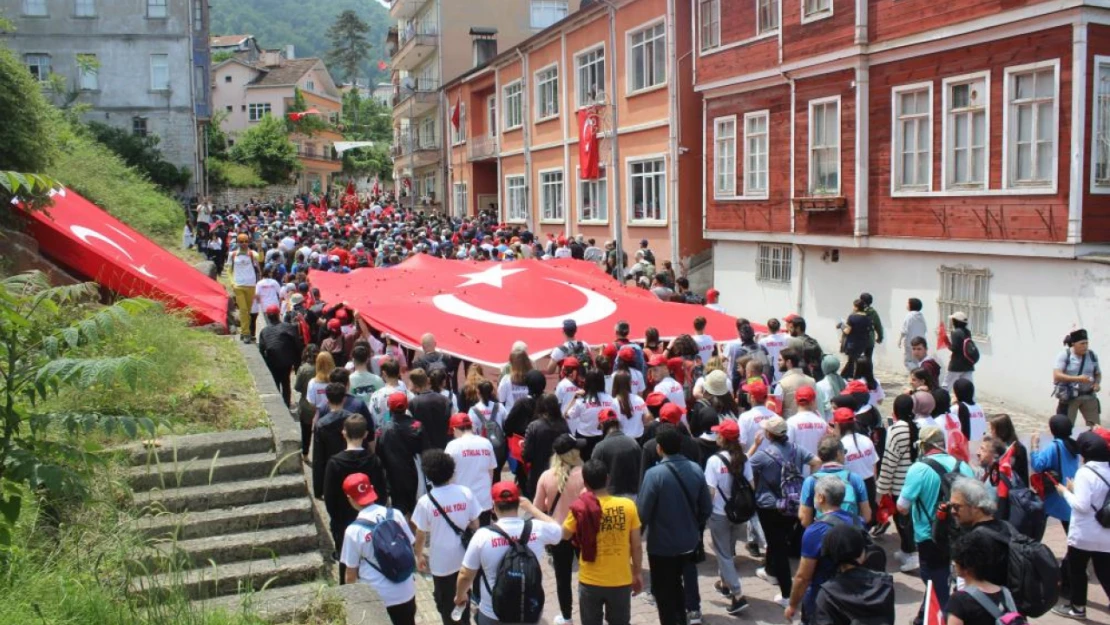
(613, 177)
(502, 205)
(675, 115)
(526, 130)
(568, 179)
(704, 177)
(863, 147)
(1078, 131)
(793, 145)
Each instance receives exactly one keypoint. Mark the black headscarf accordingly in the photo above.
(943, 402)
(843, 544)
(536, 382)
(1061, 427)
(1093, 447)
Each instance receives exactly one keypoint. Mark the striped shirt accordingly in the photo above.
(896, 460)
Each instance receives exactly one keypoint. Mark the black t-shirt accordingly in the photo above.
(965, 607)
(861, 332)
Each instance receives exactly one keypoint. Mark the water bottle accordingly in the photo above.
(456, 614)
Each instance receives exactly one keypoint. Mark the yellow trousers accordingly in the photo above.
(244, 299)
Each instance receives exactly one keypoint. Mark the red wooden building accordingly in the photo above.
(912, 148)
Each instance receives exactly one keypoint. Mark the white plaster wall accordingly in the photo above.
(1034, 303)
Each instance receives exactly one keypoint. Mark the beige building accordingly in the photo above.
(434, 42)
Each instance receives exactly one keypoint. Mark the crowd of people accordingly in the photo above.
(473, 476)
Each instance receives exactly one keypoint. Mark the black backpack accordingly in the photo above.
(1026, 509)
(517, 592)
(1102, 513)
(874, 557)
(434, 361)
(740, 503)
(577, 350)
(944, 525)
(494, 434)
(971, 351)
(1032, 574)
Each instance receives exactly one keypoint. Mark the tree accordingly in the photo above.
(349, 45)
(366, 119)
(41, 350)
(307, 124)
(267, 147)
(27, 142)
(143, 154)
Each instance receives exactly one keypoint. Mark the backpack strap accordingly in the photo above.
(455, 528)
(1099, 475)
(525, 536)
(371, 526)
(980, 597)
(685, 491)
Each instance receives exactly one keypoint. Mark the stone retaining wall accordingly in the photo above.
(231, 197)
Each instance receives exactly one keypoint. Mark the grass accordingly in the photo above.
(234, 175)
(196, 381)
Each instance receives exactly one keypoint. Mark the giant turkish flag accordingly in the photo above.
(95, 246)
(476, 310)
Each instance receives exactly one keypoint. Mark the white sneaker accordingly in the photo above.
(782, 601)
(559, 620)
(900, 555)
(910, 564)
(761, 573)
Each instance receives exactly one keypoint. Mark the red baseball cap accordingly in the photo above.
(334, 324)
(627, 354)
(459, 420)
(273, 309)
(790, 317)
(569, 363)
(654, 400)
(505, 492)
(711, 295)
(806, 394)
(844, 415)
(341, 314)
(728, 430)
(609, 351)
(755, 388)
(607, 414)
(357, 486)
(671, 413)
(658, 360)
(398, 402)
(855, 386)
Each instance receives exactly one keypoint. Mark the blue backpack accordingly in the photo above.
(850, 503)
(392, 549)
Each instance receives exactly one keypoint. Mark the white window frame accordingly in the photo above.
(750, 192)
(491, 115)
(460, 199)
(547, 180)
(578, 70)
(38, 57)
(513, 190)
(256, 111)
(157, 9)
(427, 133)
(599, 190)
(896, 156)
(818, 14)
(547, 78)
(774, 263)
(154, 86)
(956, 292)
(631, 179)
(1009, 161)
(507, 111)
(34, 8)
(84, 8)
(1100, 119)
(641, 50)
(710, 29)
(87, 80)
(723, 191)
(546, 5)
(774, 5)
(812, 177)
(945, 127)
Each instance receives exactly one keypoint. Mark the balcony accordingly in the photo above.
(404, 9)
(481, 148)
(414, 45)
(415, 97)
(411, 152)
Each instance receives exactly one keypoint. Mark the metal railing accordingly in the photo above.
(482, 147)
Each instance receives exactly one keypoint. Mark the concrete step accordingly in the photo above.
(225, 548)
(222, 495)
(237, 577)
(249, 518)
(209, 471)
(286, 604)
(182, 448)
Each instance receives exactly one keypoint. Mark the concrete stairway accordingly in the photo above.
(228, 519)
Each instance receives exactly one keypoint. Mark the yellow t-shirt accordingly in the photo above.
(612, 566)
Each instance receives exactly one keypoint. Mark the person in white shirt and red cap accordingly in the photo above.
(712, 297)
(806, 428)
(475, 461)
(661, 375)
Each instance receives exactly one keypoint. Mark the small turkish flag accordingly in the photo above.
(933, 614)
(588, 161)
(296, 117)
(942, 337)
(382, 65)
(455, 113)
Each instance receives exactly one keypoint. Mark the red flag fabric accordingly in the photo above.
(382, 65)
(95, 246)
(588, 158)
(351, 187)
(455, 113)
(933, 614)
(296, 117)
(942, 337)
(1006, 470)
(477, 310)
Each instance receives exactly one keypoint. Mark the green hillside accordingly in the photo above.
(276, 23)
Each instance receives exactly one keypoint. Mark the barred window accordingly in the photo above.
(774, 263)
(966, 289)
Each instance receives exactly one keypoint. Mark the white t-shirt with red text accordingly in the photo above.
(446, 552)
(487, 548)
(474, 461)
(859, 455)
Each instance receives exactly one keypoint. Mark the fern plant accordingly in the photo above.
(44, 331)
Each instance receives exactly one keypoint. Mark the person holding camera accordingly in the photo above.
(1077, 377)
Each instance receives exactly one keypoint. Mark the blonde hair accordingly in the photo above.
(325, 364)
(715, 364)
(519, 364)
(562, 465)
(474, 376)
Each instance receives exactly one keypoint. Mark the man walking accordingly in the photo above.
(876, 333)
(430, 408)
(280, 345)
(959, 365)
(620, 453)
(1078, 378)
(474, 462)
(607, 530)
(245, 273)
(674, 504)
(793, 379)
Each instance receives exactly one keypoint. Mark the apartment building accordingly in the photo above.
(958, 153)
(247, 91)
(434, 42)
(517, 148)
(141, 65)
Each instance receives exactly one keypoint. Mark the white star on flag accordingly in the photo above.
(492, 276)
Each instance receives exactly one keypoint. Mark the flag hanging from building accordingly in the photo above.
(382, 65)
(588, 157)
(456, 113)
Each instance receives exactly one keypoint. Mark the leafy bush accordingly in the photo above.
(26, 141)
(143, 154)
(233, 175)
(267, 147)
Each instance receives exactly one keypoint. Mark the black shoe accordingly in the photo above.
(739, 604)
(1069, 611)
(722, 588)
(754, 550)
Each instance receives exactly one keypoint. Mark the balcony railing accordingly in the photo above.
(420, 90)
(407, 145)
(481, 148)
(422, 34)
(320, 155)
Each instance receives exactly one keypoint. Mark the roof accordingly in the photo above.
(225, 41)
(288, 73)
